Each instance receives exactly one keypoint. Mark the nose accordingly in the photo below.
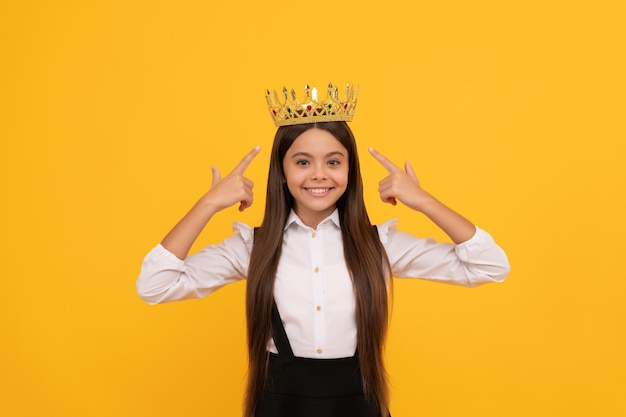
(319, 173)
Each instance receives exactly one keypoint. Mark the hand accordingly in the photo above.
(234, 187)
(399, 185)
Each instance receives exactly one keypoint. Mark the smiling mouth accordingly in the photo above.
(318, 191)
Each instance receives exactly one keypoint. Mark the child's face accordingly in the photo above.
(316, 171)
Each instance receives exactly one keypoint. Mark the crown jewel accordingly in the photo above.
(290, 111)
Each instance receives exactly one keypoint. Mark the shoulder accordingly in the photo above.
(244, 232)
(386, 229)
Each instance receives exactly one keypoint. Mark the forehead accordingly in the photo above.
(316, 141)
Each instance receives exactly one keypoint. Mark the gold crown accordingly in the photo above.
(311, 110)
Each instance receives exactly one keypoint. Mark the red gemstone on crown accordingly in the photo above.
(308, 108)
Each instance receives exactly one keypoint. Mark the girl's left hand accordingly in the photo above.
(400, 185)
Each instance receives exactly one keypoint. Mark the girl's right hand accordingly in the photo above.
(224, 192)
(233, 188)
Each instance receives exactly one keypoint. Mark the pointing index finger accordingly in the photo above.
(389, 166)
(241, 166)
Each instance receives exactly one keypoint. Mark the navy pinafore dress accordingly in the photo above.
(304, 387)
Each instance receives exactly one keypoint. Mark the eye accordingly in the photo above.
(333, 162)
(302, 162)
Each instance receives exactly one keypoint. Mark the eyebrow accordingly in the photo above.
(308, 155)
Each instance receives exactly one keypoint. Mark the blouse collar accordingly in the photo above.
(294, 218)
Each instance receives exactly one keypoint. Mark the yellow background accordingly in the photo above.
(112, 112)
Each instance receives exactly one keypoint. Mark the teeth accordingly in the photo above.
(318, 190)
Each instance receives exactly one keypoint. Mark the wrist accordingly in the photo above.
(207, 206)
(424, 202)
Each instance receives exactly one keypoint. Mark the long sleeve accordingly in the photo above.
(164, 277)
(474, 262)
(313, 288)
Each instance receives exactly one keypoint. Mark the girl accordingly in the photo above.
(317, 271)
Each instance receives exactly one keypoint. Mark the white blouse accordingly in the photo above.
(313, 290)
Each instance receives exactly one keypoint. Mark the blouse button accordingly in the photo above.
(318, 308)
(317, 269)
(319, 350)
(313, 234)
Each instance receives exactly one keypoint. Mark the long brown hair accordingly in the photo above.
(364, 255)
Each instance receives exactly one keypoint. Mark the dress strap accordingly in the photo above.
(278, 333)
